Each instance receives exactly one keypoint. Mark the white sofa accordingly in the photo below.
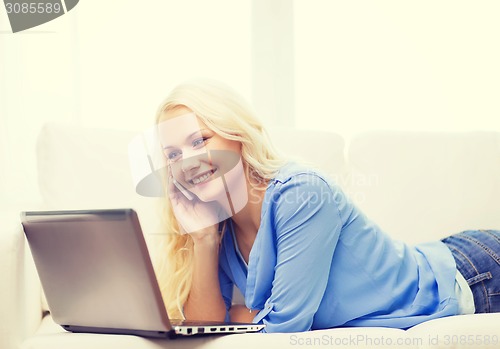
(417, 186)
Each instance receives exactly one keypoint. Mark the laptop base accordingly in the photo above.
(99, 330)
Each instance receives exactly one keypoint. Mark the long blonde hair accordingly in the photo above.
(228, 115)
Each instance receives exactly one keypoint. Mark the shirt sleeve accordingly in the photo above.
(307, 227)
(226, 287)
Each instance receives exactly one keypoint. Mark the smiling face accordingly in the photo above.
(198, 157)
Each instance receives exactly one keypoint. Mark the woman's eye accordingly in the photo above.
(199, 142)
(173, 155)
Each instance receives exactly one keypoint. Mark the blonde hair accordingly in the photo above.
(228, 115)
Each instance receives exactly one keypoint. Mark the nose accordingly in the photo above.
(189, 163)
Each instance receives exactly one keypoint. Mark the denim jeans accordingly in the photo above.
(477, 255)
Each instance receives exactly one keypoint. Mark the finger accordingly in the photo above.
(172, 190)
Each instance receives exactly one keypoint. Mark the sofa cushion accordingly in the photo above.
(464, 331)
(52, 336)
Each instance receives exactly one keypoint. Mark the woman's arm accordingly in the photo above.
(205, 300)
(307, 227)
(240, 313)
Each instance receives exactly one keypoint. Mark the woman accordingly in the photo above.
(300, 252)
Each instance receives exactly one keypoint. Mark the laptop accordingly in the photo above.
(97, 275)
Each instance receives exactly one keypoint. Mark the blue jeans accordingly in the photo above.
(477, 255)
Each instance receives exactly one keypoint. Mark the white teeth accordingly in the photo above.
(202, 178)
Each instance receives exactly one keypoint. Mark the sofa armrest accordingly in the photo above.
(20, 305)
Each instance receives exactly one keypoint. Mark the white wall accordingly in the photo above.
(391, 64)
(131, 54)
(109, 64)
(37, 84)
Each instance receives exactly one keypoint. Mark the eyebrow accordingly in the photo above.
(191, 135)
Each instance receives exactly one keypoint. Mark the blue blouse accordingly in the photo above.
(318, 262)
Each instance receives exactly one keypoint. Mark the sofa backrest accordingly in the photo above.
(82, 168)
(420, 186)
(417, 186)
